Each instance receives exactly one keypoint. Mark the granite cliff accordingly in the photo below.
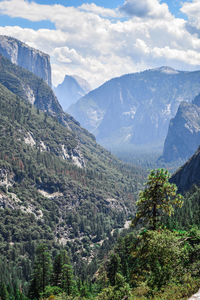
(183, 136)
(29, 58)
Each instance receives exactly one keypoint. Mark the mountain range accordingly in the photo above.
(136, 108)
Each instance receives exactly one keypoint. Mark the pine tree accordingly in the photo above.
(41, 273)
(60, 260)
(67, 279)
(157, 199)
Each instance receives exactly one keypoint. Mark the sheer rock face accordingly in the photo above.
(183, 136)
(29, 58)
(136, 108)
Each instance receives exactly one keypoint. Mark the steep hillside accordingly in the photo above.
(183, 136)
(29, 58)
(188, 174)
(57, 186)
(70, 90)
(136, 108)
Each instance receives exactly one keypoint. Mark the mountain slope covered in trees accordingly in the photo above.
(56, 185)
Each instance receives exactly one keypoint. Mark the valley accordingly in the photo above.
(67, 204)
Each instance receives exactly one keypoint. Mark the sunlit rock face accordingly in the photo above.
(29, 58)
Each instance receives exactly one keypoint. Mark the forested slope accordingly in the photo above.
(56, 187)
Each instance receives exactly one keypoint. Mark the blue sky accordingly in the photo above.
(174, 7)
(101, 39)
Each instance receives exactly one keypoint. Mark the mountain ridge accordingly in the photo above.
(135, 108)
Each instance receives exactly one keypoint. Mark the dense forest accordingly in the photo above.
(45, 197)
(158, 258)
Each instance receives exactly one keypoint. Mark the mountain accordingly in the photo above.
(183, 137)
(29, 58)
(34, 90)
(70, 90)
(57, 185)
(136, 108)
(188, 174)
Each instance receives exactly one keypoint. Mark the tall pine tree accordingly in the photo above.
(41, 273)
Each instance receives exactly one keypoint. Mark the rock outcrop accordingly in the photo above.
(29, 58)
(136, 108)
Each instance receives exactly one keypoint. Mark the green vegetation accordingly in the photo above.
(162, 263)
(46, 198)
(64, 201)
(157, 199)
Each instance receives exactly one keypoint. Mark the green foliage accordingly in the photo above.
(41, 273)
(156, 264)
(113, 267)
(188, 215)
(48, 198)
(157, 199)
(158, 257)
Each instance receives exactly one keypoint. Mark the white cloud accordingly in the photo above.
(145, 8)
(192, 10)
(94, 43)
(101, 11)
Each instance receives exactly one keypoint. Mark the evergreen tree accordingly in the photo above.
(63, 273)
(60, 260)
(157, 199)
(68, 283)
(4, 295)
(113, 267)
(41, 273)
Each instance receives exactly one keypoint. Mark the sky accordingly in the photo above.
(102, 39)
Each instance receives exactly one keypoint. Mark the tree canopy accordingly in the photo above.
(158, 198)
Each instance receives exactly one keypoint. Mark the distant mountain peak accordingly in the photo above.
(166, 70)
(71, 89)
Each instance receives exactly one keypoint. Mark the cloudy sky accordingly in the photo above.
(101, 39)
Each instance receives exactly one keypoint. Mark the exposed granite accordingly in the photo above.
(29, 58)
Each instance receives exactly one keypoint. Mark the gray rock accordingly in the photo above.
(29, 58)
